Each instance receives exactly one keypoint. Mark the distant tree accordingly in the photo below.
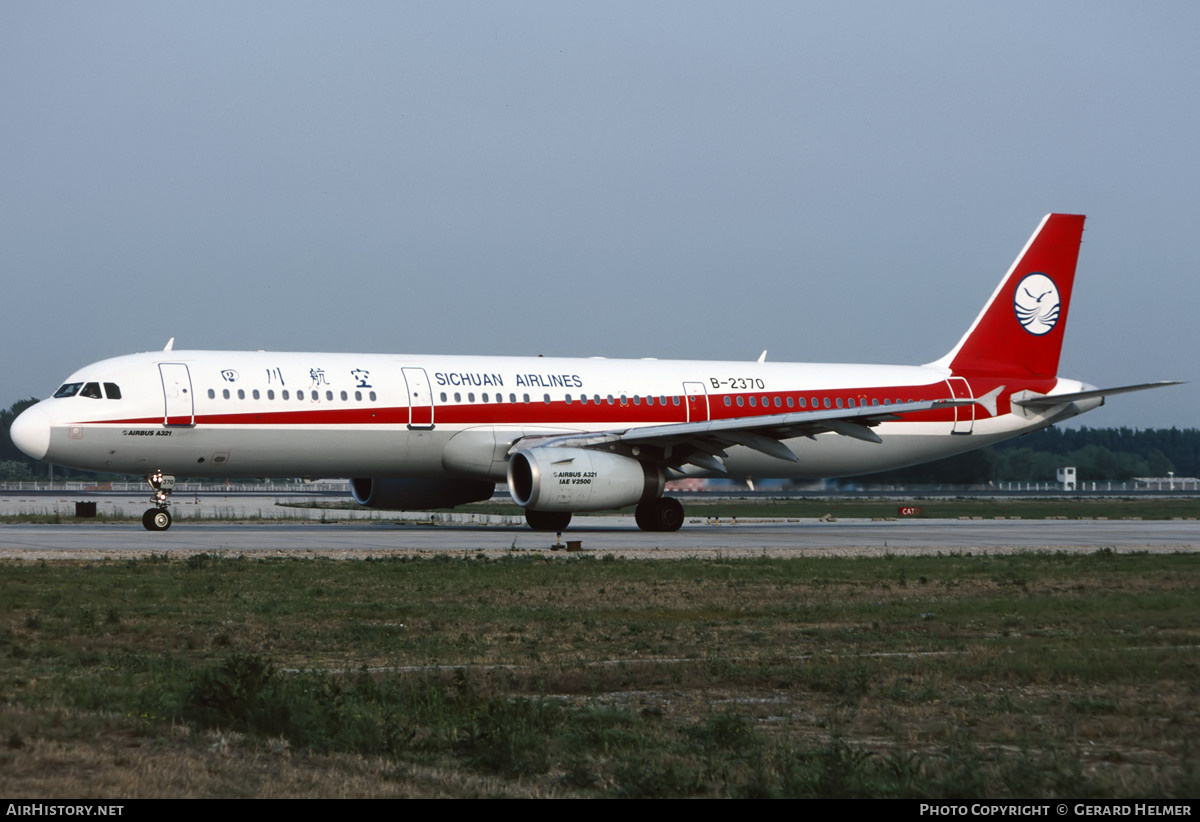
(13, 470)
(963, 469)
(1098, 453)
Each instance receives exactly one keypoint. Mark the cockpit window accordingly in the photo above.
(68, 390)
(92, 391)
(112, 391)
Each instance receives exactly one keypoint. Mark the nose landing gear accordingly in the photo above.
(158, 518)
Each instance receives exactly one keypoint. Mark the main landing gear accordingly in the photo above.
(158, 518)
(662, 514)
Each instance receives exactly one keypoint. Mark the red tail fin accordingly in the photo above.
(1020, 330)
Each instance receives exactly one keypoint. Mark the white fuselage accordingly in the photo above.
(254, 414)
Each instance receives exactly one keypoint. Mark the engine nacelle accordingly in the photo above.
(576, 479)
(397, 494)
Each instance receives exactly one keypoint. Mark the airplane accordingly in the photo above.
(569, 435)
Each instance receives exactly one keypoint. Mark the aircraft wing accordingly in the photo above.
(703, 443)
(1051, 400)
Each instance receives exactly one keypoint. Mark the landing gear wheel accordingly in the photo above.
(547, 520)
(156, 519)
(663, 514)
(159, 518)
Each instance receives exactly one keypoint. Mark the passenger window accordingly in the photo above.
(546, 398)
(329, 396)
(284, 394)
(372, 396)
(753, 402)
(212, 395)
(91, 391)
(225, 393)
(68, 390)
(791, 402)
(470, 396)
(270, 393)
(345, 396)
(728, 402)
(358, 396)
(255, 394)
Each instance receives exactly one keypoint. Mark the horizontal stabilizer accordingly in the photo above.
(1051, 400)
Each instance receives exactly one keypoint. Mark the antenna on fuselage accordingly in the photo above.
(763, 356)
(170, 344)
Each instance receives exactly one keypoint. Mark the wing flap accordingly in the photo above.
(702, 443)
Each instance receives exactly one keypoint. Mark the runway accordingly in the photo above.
(601, 535)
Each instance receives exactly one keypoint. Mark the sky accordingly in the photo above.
(831, 182)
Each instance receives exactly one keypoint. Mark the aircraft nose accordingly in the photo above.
(31, 432)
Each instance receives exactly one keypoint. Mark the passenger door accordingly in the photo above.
(178, 405)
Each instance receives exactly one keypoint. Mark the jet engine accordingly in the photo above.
(576, 479)
(405, 494)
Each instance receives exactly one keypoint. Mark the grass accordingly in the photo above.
(1028, 675)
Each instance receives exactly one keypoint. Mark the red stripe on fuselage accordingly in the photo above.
(622, 411)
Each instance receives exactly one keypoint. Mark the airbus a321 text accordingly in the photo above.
(567, 435)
